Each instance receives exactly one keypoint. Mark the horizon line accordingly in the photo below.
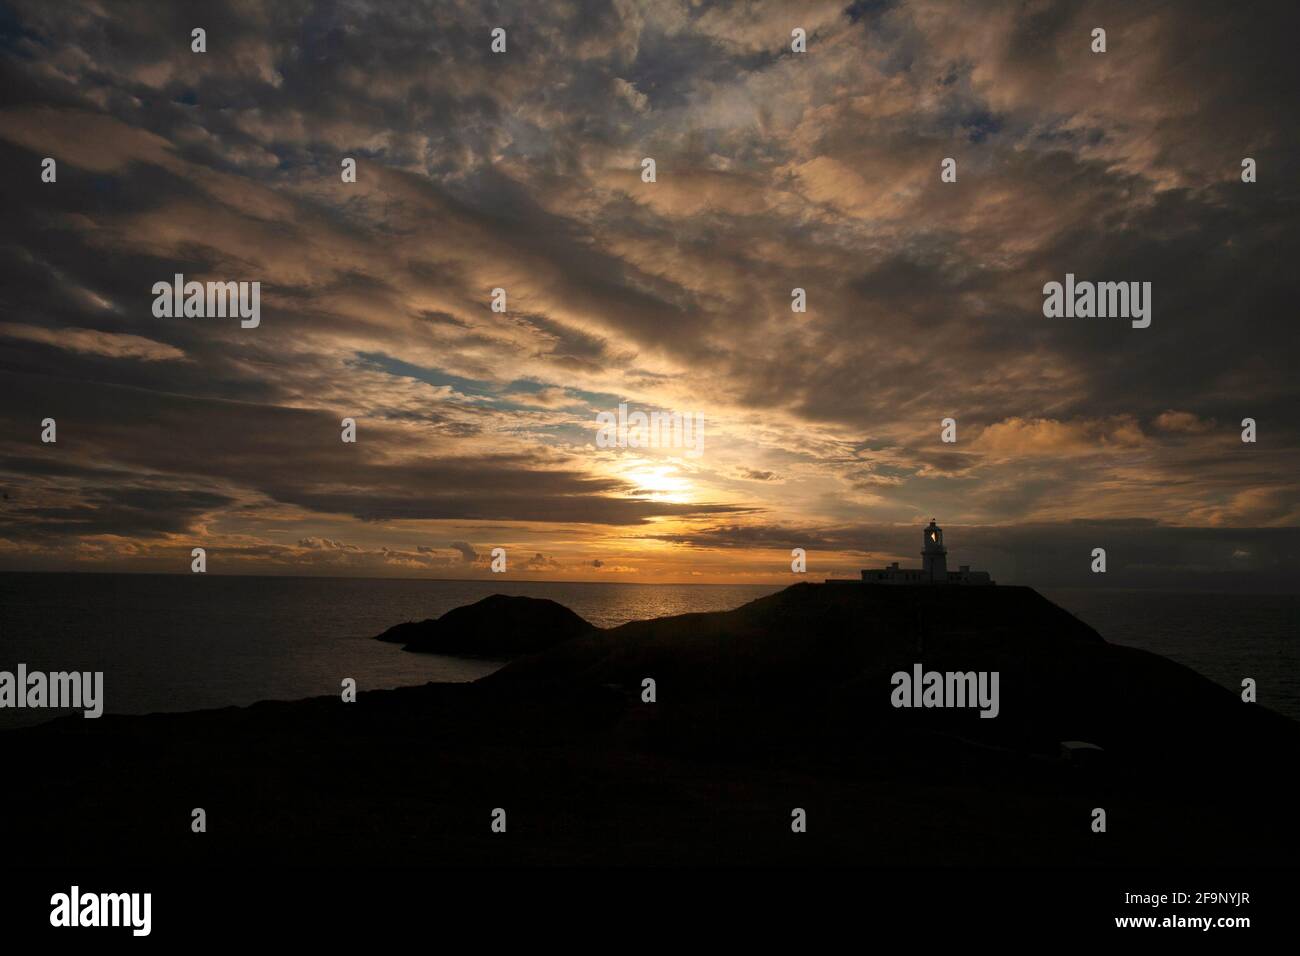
(699, 584)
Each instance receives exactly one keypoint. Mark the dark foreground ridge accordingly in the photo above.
(779, 704)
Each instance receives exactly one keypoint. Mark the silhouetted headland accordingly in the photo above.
(783, 703)
(495, 627)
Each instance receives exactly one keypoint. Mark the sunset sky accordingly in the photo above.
(775, 170)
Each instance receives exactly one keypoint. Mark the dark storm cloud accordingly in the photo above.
(126, 511)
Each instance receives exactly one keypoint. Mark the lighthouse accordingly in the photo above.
(933, 569)
(934, 556)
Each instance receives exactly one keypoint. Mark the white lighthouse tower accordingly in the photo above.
(933, 569)
(934, 556)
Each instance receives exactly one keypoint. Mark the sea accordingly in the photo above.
(192, 642)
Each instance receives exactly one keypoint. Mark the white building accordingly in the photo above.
(933, 569)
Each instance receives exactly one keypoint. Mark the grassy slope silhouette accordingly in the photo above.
(779, 704)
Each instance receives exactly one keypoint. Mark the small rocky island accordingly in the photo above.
(783, 703)
(496, 627)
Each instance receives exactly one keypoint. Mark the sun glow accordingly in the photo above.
(660, 483)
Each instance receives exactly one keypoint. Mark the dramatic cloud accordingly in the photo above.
(522, 171)
(92, 342)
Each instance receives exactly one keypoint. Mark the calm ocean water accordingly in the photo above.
(188, 642)
(184, 642)
(1225, 637)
